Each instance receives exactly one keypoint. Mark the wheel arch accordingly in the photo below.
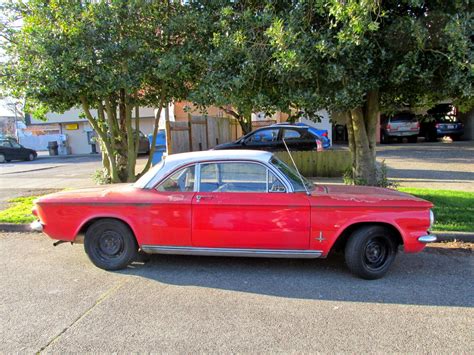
(343, 237)
(83, 228)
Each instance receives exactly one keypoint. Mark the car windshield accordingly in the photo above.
(403, 117)
(143, 181)
(293, 176)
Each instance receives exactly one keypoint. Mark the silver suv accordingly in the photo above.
(398, 126)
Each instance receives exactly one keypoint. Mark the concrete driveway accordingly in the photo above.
(52, 299)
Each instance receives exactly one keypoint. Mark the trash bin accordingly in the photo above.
(160, 146)
(53, 148)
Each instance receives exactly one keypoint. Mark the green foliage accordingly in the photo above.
(101, 177)
(381, 177)
(454, 210)
(20, 211)
(106, 55)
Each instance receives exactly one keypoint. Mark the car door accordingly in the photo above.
(170, 212)
(298, 139)
(244, 205)
(18, 151)
(7, 149)
(263, 139)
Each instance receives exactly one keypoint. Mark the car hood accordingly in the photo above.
(105, 194)
(342, 195)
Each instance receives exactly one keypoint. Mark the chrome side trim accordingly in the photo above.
(36, 226)
(427, 239)
(259, 253)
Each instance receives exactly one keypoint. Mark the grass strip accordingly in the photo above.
(454, 210)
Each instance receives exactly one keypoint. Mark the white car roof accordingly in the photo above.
(171, 162)
(231, 154)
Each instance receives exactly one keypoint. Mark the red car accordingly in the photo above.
(237, 203)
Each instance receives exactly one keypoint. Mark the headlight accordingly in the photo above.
(432, 219)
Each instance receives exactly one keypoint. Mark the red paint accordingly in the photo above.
(241, 220)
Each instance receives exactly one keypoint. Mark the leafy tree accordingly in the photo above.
(236, 76)
(112, 56)
(362, 57)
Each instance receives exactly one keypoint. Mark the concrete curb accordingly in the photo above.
(15, 228)
(442, 236)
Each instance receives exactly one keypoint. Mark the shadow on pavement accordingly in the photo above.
(417, 279)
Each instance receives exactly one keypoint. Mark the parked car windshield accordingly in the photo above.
(293, 176)
(143, 181)
(406, 117)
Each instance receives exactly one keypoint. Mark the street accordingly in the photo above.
(53, 299)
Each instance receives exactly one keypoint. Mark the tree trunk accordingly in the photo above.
(153, 140)
(104, 138)
(362, 130)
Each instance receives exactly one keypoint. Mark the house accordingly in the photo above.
(75, 130)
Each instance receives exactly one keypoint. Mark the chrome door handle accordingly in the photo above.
(199, 197)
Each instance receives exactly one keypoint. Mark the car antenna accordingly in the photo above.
(294, 164)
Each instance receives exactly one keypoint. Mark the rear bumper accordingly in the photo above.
(36, 226)
(402, 133)
(429, 238)
(447, 132)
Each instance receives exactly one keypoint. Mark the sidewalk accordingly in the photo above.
(44, 154)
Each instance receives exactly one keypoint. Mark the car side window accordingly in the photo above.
(15, 145)
(264, 136)
(182, 180)
(237, 177)
(5, 144)
(291, 134)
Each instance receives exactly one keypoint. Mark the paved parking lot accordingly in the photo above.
(52, 299)
(441, 165)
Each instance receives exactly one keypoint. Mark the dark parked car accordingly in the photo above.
(321, 133)
(436, 126)
(398, 126)
(11, 150)
(271, 139)
(143, 144)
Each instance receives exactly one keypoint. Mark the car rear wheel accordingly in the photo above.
(370, 251)
(110, 244)
(2, 158)
(384, 138)
(413, 139)
(30, 157)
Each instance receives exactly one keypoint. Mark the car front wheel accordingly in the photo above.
(370, 251)
(110, 244)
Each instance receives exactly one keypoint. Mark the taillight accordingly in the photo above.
(325, 134)
(34, 211)
(418, 125)
(389, 127)
(437, 125)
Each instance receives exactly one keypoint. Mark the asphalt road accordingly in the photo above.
(52, 299)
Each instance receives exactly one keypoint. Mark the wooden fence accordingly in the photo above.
(204, 132)
(328, 163)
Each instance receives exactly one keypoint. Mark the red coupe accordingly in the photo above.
(237, 203)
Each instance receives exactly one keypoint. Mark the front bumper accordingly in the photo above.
(36, 226)
(429, 238)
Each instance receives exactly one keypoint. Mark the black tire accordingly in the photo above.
(2, 158)
(413, 139)
(370, 251)
(110, 244)
(30, 157)
(384, 139)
